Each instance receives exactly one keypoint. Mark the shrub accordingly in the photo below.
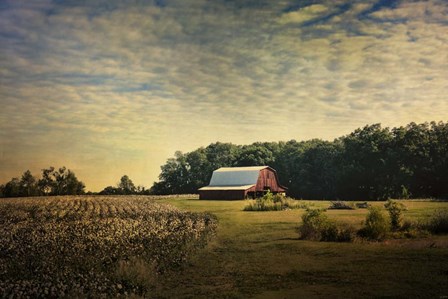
(376, 226)
(395, 210)
(341, 205)
(405, 194)
(362, 205)
(314, 222)
(346, 233)
(329, 232)
(271, 202)
(438, 223)
(316, 226)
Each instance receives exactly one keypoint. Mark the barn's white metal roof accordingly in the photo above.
(236, 176)
(243, 187)
(247, 168)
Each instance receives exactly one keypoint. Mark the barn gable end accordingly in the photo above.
(241, 182)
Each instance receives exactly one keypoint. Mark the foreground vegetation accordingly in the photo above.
(273, 202)
(93, 246)
(107, 246)
(377, 226)
(260, 255)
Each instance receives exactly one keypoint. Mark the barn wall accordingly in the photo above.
(222, 194)
(268, 178)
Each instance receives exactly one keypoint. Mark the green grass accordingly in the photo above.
(259, 255)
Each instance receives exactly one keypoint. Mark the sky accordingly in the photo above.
(108, 87)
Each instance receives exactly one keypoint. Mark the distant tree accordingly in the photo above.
(364, 164)
(53, 182)
(222, 154)
(126, 185)
(12, 188)
(159, 188)
(140, 189)
(46, 184)
(28, 184)
(317, 171)
(198, 169)
(66, 183)
(109, 190)
(439, 158)
(60, 182)
(288, 164)
(254, 155)
(174, 177)
(72, 185)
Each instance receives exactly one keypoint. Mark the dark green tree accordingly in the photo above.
(364, 164)
(288, 165)
(174, 177)
(198, 169)
(60, 182)
(72, 185)
(318, 169)
(12, 188)
(254, 155)
(28, 184)
(439, 158)
(126, 185)
(110, 190)
(46, 184)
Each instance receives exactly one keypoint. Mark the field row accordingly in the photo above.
(79, 207)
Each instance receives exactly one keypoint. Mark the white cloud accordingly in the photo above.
(304, 14)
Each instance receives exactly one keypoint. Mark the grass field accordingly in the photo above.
(131, 244)
(258, 254)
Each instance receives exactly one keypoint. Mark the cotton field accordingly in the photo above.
(95, 246)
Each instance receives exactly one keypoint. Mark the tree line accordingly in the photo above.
(371, 163)
(61, 181)
(125, 187)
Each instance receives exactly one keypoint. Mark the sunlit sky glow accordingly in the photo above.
(109, 88)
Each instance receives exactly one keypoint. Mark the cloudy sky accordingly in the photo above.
(109, 88)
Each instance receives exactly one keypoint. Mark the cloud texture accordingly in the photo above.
(107, 88)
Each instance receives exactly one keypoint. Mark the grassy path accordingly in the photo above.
(257, 254)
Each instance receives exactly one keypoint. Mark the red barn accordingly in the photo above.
(241, 183)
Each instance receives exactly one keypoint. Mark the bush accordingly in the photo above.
(362, 205)
(438, 223)
(346, 233)
(376, 226)
(314, 222)
(395, 210)
(341, 205)
(316, 226)
(271, 202)
(405, 194)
